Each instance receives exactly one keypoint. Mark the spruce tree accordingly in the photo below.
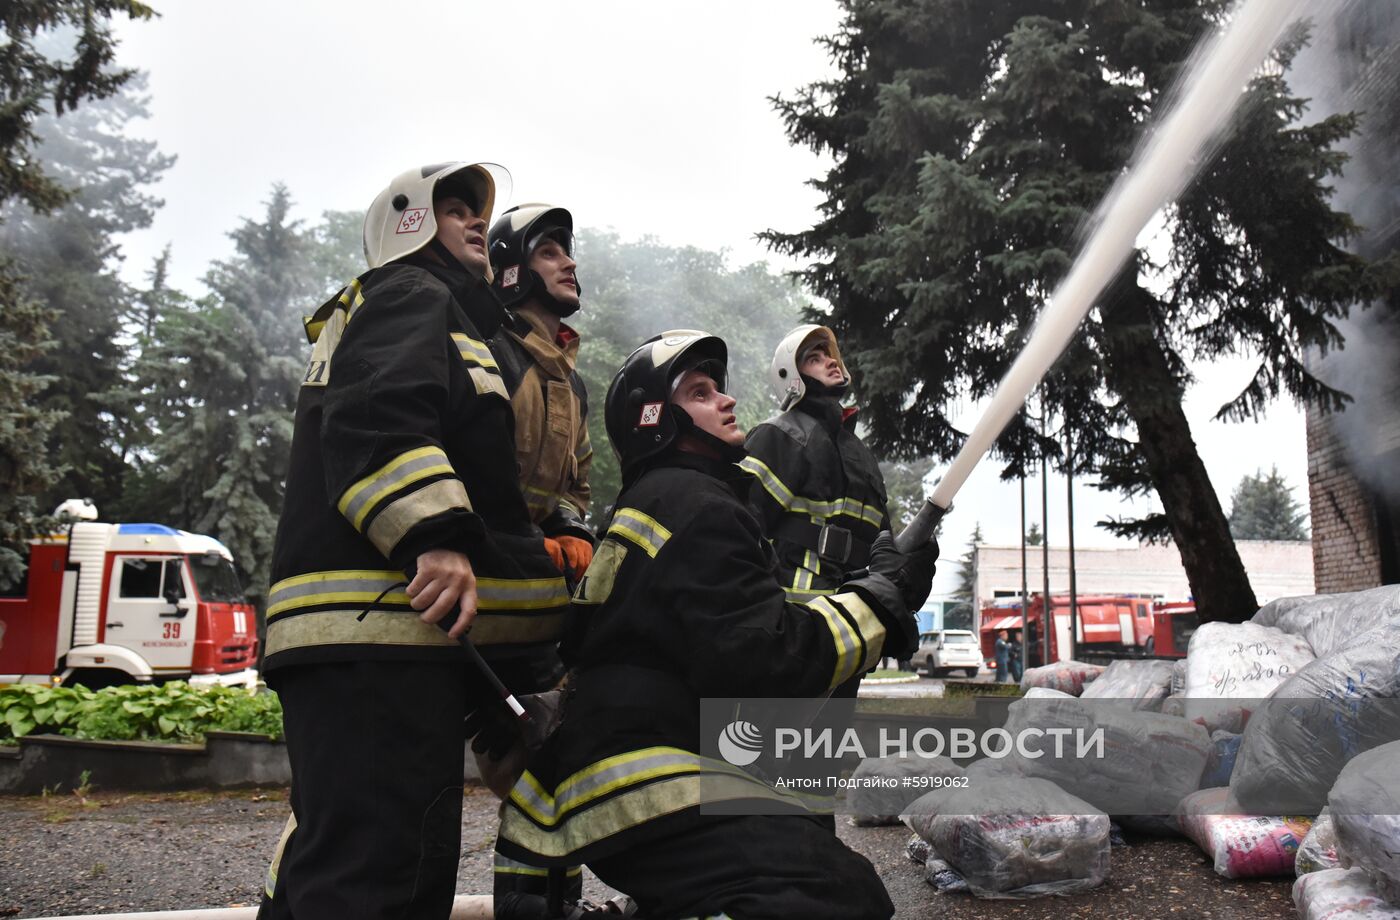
(636, 289)
(219, 381)
(967, 569)
(37, 77)
(1263, 508)
(26, 469)
(70, 261)
(971, 141)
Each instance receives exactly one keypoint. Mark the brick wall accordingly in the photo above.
(1346, 548)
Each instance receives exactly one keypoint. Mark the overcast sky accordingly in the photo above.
(650, 118)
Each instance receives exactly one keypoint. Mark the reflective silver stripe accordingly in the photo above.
(848, 657)
(819, 510)
(641, 529)
(869, 625)
(521, 593)
(339, 587)
(403, 514)
(405, 469)
(344, 627)
(769, 480)
(474, 352)
(633, 808)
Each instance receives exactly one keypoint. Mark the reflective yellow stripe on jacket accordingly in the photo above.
(819, 510)
(626, 791)
(639, 529)
(334, 608)
(855, 630)
(414, 486)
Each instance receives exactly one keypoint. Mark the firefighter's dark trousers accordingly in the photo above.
(376, 750)
(755, 866)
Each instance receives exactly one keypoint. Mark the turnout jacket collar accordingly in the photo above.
(555, 359)
(472, 294)
(735, 479)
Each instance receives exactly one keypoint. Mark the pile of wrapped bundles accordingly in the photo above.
(1239, 845)
(1363, 812)
(1014, 837)
(1135, 684)
(874, 804)
(1065, 676)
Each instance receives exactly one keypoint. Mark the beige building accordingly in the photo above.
(1276, 569)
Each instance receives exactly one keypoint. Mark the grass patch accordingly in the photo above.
(890, 672)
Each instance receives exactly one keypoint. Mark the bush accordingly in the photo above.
(165, 712)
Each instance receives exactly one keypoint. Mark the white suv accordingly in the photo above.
(944, 651)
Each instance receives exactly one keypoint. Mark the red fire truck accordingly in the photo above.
(1108, 626)
(106, 604)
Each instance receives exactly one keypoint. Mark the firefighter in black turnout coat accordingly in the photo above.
(402, 519)
(681, 603)
(820, 494)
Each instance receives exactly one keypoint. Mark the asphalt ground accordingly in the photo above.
(115, 852)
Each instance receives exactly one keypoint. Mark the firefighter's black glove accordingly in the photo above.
(896, 584)
(912, 573)
(493, 729)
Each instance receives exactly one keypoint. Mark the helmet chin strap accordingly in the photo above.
(685, 425)
(818, 389)
(551, 303)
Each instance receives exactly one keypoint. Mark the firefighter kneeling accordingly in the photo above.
(681, 603)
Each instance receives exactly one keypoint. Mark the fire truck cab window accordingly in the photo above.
(140, 578)
(174, 585)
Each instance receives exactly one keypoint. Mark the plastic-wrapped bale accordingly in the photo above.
(1365, 806)
(1022, 838)
(1174, 705)
(1138, 684)
(1146, 764)
(1065, 676)
(873, 803)
(1318, 851)
(918, 817)
(1334, 708)
(1340, 894)
(1240, 845)
(1046, 693)
(1230, 667)
(1330, 621)
(1178, 677)
(1220, 765)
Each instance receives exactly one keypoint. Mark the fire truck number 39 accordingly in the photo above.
(170, 631)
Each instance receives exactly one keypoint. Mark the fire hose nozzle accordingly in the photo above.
(920, 529)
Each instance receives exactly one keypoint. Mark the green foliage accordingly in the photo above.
(904, 485)
(70, 260)
(216, 385)
(967, 569)
(1263, 508)
(970, 143)
(26, 468)
(634, 290)
(1033, 535)
(173, 711)
(31, 75)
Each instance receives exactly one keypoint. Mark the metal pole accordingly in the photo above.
(1069, 504)
(1048, 615)
(1025, 593)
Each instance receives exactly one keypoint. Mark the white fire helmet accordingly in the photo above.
(401, 221)
(788, 356)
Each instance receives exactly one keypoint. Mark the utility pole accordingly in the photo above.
(1048, 614)
(1025, 594)
(1069, 504)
